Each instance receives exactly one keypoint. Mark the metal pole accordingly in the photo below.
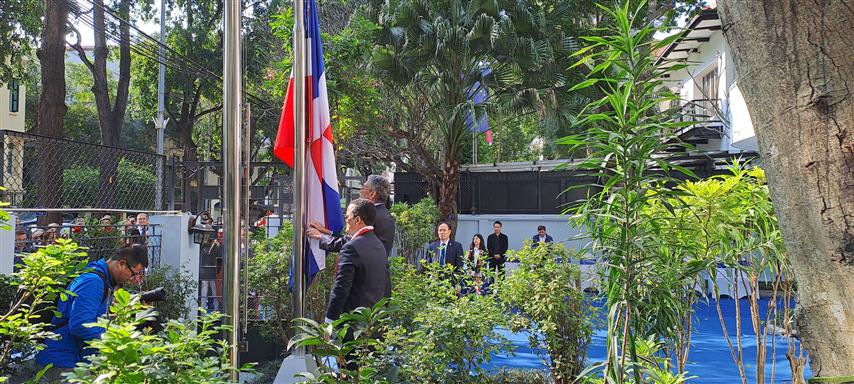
(298, 217)
(159, 124)
(232, 101)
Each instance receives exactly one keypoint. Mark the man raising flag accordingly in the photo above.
(321, 181)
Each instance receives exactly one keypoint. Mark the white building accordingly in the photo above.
(12, 111)
(708, 88)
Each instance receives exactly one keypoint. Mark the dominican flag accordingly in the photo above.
(323, 202)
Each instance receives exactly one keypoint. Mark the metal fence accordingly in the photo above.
(504, 192)
(196, 186)
(47, 172)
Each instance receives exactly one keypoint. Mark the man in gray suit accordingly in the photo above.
(376, 189)
(362, 277)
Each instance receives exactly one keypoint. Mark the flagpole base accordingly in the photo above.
(293, 365)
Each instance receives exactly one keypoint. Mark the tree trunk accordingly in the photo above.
(797, 72)
(448, 192)
(111, 116)
(51, 109)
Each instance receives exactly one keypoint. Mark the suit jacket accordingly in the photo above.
(453, 254)
(496, 245)
(362, 278)
(536, 240)
(383, 229)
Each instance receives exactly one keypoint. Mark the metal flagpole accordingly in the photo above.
(299, 223)
(232, 89)
(159, 124)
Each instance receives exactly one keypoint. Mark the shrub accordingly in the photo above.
(439, 336)
(550, 307)
(179, 287)
(182, 353)
(42, 281)
(415, 226)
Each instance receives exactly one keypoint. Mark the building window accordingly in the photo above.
(14, 92)
(709, 93)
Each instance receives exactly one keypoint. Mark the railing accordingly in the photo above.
(101, 240)
(705, 116)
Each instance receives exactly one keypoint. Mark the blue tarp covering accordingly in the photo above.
(709, 359)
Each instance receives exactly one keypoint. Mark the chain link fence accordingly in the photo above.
(47, 172)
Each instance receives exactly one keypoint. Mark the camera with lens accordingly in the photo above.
(153, 323)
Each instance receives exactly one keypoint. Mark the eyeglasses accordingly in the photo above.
(133, 273)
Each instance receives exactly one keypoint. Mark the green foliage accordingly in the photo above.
(628, 139)
(43, 277)
(268, 276)
(80, 185)
(182, 353)
(551, 307)
(517, 376)
(415, 225)
(438, 335)
(354, 336)
(179, 286)
(20, 26)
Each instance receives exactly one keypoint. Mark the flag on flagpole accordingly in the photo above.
(323, 201)
(478, 95)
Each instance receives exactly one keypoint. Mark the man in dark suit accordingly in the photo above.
(541, 237)
(496, 246)
(362, 277)
(445, 251)
(377, 189)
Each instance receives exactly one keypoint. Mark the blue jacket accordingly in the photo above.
(83, 308)
(536, 240)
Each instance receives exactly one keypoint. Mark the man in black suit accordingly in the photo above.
(377, 189)
(496, 246)
(362, 277)
(445, 251)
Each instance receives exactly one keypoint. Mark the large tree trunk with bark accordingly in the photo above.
(795, 60)
(51, 109)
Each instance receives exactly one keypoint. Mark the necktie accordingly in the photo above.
(442, 256)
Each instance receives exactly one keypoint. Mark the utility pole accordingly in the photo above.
(159, 123)
(232, 89)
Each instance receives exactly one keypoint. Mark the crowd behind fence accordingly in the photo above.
(100, 238)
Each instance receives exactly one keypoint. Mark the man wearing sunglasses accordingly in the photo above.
(91, 299)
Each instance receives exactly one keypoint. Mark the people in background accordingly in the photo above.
(496, 246)
(474, 260)
(38, 237)
(52, 233)
(445, 251)
(541, 237)
(143, 229)
(106, 223)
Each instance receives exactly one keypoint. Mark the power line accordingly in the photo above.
(148, 47)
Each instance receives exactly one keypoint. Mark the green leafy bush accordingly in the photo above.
(550, 307)
(439, 336)
(179, 286)
(80, 185)
(181, 353)
(43, 279)
(415, 226)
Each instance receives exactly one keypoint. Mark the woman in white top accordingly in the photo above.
(473, 260)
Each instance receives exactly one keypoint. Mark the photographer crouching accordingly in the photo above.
(92, 296)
